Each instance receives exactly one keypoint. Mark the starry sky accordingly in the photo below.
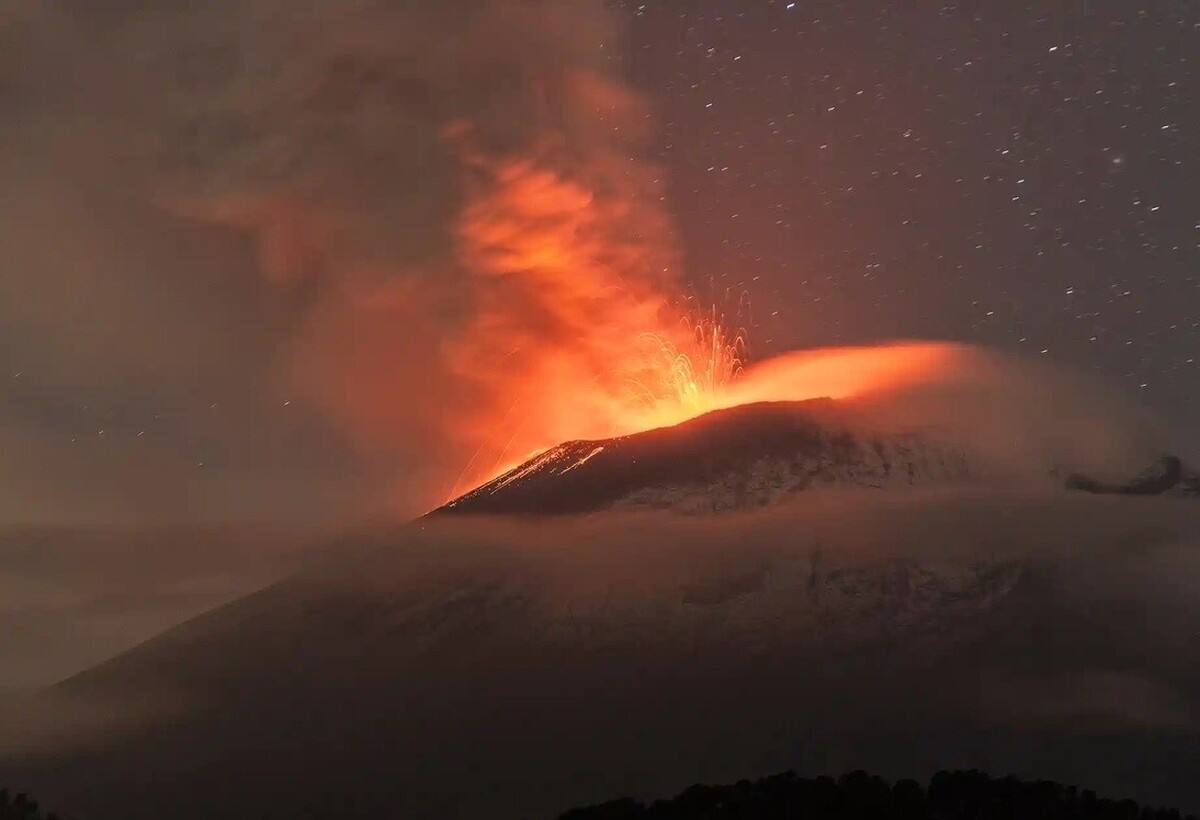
(228, 233)
(1014, 174)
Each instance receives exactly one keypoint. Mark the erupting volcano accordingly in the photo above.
(575, 332)
(473, 409)
(663, 377)
(667, 383)
(893, 416)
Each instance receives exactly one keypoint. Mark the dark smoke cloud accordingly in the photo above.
(245, 204)
(312, 259)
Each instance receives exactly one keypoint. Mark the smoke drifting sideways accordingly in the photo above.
(275, 259)
(1023, 421)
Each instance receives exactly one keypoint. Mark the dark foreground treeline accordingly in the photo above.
(21, 808)
(968, 795)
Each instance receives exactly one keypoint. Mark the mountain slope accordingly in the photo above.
(511, 666)
(463, 667)
(743, 457)
(757, 455)
(426, 685)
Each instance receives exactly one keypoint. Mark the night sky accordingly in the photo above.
(1020, 175)
(230, 237)
(272, 270)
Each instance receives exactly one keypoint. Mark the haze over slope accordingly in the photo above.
(746, 456)
(448, 667)
(442, 667)
(73, 597)
(890, 416)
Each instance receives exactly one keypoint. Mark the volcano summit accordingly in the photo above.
(748, 456)
(757, 455)
(561, 634)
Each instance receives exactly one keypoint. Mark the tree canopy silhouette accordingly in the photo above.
(951, 795)
(20, 807)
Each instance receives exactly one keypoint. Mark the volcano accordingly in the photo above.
(757, 455)
(748, 456)
(561, 634)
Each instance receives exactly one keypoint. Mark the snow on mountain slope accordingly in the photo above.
(802, 601)
(758, 455)
(806, 606)
(749, 456)
(509, 666)
(462, 667)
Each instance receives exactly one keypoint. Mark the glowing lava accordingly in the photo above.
(721, 381)
(656, 378)
(676, 384)
(571, 334)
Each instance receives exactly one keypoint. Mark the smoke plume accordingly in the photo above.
(432, 222)
(313, 258)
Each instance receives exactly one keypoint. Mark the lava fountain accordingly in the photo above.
(572, 332)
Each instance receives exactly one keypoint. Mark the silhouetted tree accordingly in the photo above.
(20, 807)
(961, 795)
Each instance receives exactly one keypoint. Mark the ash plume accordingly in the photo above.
(266, 259)
(414, 216)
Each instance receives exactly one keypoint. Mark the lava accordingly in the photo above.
(573, 330)
(659, 378)
(710, 376)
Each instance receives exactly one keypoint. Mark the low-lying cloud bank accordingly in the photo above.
(1043, 632)
(72, 598)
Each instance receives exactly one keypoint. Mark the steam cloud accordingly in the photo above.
(410, 214)
(268, 257)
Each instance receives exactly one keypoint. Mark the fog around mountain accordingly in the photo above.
(444, 667)
(455, 666)
(71, 597)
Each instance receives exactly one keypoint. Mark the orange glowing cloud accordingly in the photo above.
(573, 333)
(846, 372)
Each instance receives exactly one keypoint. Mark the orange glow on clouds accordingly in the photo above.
(572, 334)
(839, 373)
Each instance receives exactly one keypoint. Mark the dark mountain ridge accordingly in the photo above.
(745, 456)
(755, 455)
(460, 667)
